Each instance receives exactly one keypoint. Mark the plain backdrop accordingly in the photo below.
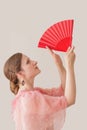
(22, 23)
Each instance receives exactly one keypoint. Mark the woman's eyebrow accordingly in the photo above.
(28, 58)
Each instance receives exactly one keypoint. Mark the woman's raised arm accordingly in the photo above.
(67, 75)
(70, 89)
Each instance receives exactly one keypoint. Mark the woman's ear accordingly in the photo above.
(20, 75)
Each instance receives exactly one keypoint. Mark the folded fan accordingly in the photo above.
(58, 36)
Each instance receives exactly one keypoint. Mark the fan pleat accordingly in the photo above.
(64, 29)
(48, 42)
(45, 43)
(69, 24)
(58, 33)
(58, 36)
(59, 30)
(51, 36)
(53, 33)
(71, 28)
(48, 38)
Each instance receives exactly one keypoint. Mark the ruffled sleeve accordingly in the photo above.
(55, 91)
(36, 111)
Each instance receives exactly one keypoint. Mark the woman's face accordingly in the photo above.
(29, 67)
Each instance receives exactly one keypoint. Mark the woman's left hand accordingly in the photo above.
(56, 57)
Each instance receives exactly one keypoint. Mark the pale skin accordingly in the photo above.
(67, 74)
(29, 70)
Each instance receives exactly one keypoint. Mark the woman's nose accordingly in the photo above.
(34, 62)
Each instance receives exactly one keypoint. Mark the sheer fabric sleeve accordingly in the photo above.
(36, 111)
(52, 91)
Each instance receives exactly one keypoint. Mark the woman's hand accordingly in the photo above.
(70, 56)
(56, 57)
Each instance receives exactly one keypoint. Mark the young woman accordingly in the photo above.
(36, 108)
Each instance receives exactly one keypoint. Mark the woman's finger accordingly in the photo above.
(71, 49)
(68, 49)
(51, 52)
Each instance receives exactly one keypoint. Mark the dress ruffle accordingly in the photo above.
(40, 109)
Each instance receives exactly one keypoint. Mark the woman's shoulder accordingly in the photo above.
(26, 92)
(38, 92)
(26, 96)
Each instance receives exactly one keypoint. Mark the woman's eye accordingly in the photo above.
(27, 62)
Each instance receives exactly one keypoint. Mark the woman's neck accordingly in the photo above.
(29, 85)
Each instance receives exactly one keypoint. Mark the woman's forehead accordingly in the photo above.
(24, 57)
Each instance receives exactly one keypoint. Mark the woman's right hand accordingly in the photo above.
(70, 56)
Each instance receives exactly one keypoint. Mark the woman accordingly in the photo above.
(35, 108)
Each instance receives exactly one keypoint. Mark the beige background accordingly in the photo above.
(22, 22)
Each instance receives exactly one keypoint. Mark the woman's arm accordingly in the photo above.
(60, 67)
(70, 89)
(67, 76)
(62, 74)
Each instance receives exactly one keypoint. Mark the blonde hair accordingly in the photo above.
(11, 67)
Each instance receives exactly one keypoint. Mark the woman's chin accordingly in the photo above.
(39, 71)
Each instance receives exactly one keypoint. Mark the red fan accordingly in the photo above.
(58, 36)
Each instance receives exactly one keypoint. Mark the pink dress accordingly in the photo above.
(39, 109)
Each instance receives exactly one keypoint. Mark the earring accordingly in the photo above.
(23, 82)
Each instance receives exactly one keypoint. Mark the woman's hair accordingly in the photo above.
(11, 67)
